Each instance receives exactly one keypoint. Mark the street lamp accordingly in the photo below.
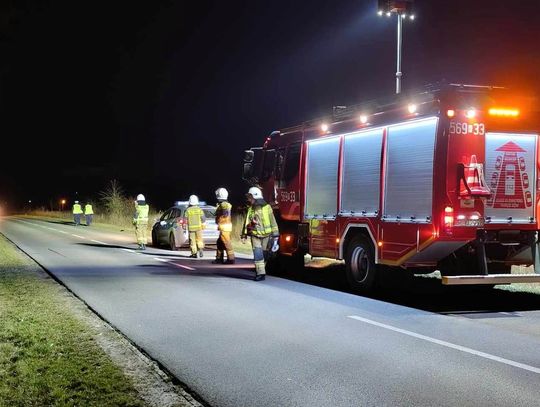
(403, 9)
(63, 202)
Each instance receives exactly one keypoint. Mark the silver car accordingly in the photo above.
(171, 230)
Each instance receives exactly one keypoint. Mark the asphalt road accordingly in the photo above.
(283, 342)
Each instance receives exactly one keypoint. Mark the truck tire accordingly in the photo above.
(172, 242)
(360, 265)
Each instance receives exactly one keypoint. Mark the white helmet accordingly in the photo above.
(193, 200)
(222, 194)
(140, 197)
(76, 202)
(255, 192)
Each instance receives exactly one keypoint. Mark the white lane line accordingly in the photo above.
(128, 250)
(61, 231)
(182, 266)
(449, 345)
(80, 237)
(98, 242)
(174, 264)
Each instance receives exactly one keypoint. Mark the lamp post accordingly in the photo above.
(403, 9)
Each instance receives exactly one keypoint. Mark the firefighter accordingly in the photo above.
(195, 224)
(261, 226)
(140, 220)
(77, 212)
(224, 222)
(88, 213)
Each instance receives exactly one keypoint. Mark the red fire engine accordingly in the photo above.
(439, 180)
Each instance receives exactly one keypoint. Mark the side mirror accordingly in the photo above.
(248, 156)
(247, 172)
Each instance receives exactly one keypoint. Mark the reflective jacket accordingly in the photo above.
(223, 216)
(77, 210)
(260, 221)
(141, 214)
(195, 218)
(88, 209)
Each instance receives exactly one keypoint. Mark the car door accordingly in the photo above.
(210, 231)
(164, 225)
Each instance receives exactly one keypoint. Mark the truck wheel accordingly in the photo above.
(360, 265)
(172, 242)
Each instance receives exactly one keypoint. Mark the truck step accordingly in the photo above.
(491, 279)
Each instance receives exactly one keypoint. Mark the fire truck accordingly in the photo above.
(443, 179)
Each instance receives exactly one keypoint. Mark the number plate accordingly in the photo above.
(475, 129)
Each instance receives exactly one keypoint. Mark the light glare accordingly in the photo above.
(363, 119)
(471, 114)
(324, 127)
(412, 108)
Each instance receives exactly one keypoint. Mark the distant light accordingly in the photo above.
(388, 14)
(412, 108)
(380, 12)
(363, 119)
(288, 238)
(412, 17)
(404, 15)
(63, 201)
(450, 113)
(497, 111)
(324, 127)
(471, 114)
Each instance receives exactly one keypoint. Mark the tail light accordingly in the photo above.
(448, 218)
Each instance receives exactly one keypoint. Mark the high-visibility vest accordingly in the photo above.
(88, 209)
(223, 217)
(77, 210)
(141, 213)
(195, 218)
(260, 221)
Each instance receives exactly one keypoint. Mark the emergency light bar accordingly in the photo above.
(186, 203)
(504, 112)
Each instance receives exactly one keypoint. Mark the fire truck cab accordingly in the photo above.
(444, 179)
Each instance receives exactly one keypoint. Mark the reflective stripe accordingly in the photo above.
(77, 210)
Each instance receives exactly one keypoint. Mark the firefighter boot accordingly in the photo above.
(201, 254)
(218, 260)
(193, 256)
(229, 261)
(260, 271)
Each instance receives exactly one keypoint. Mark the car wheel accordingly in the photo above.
(360, 265)
(172, 242)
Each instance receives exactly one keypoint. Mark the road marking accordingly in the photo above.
(449, 345)
(98, 242)
(128, 250)
(80, 237)
(182, 266)
(158, 259)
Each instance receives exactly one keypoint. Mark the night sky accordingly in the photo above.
(165, 96)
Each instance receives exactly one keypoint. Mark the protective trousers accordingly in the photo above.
(196, 242)
(88, 219)
(260, 249)
(140, 231)
(224, 245)
(77, 218)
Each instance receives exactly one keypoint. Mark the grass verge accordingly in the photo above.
(47, 355)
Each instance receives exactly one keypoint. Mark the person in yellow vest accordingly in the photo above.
(224, 223)
(77, 212)
(261, 226)
(88, 213)
(195, 224)
(140, 220)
